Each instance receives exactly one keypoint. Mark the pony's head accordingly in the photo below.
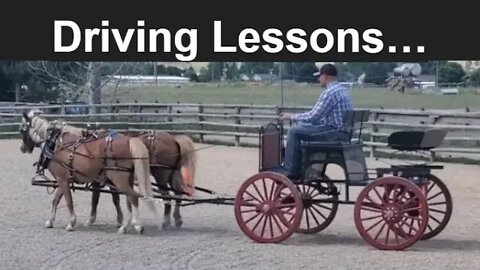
(31, 130)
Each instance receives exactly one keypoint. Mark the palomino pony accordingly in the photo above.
(77, 159)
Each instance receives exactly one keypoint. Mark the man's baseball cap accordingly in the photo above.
(327, 69)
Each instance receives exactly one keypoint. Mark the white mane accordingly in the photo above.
(39, 126)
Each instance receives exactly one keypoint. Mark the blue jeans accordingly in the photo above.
(302, 132)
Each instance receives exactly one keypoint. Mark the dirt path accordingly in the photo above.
(210, 237)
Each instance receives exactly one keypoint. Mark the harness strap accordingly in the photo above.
(70, 159)
(47, 151)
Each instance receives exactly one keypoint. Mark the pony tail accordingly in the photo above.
(142, 170)
(187, 162)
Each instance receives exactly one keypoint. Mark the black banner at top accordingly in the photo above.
(240, 31)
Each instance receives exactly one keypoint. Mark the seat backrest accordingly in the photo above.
(416, 139)
(433, 138)
(355, 164)
(355, 120)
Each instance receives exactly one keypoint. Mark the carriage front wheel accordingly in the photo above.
(387, 208)
(268, 207)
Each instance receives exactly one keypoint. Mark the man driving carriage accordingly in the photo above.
(324, 122)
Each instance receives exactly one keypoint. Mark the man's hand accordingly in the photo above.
(285, 116)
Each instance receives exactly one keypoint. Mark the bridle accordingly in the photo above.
(25, 129)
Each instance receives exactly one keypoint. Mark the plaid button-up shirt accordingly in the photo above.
(329, 109)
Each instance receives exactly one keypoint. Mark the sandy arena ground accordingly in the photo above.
(210, 237)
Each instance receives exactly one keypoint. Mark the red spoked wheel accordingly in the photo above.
(268, 207)
(388, 208)
(440, 204)
(440, 207)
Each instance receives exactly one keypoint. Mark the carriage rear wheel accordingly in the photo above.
(440, 204)
(268, 207)
(388, 207)
(317, 215)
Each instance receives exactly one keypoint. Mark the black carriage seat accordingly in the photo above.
(416, 140)
(343, 148)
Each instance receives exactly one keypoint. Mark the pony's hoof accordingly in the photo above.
(139, 229)
(91, 221)
(122, 230)
(119, 222)
(69, 228)
(178, 223)
(165, 225)
(49, 224)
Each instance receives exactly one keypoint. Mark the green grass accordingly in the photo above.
(297, 94)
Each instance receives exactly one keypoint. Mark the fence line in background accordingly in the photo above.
(242, 122)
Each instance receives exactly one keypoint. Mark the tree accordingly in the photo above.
(258, 67)
(378, 72)
(76, 78)
(191, 74)
(300, 71)
(18, 83)
(451, 72)
(170, 70)
(18, 74)
(475, 77)
(305, 72)
(430, 67)
(215, 69)
(344, 72)
(232, 71)
(6, 92)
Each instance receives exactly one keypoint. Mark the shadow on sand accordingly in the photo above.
(354, 240)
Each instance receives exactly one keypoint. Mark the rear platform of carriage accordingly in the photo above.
(397, 205)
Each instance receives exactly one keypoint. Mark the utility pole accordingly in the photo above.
(155, 71)
(436, 75)
(213, 68)
(281, 82)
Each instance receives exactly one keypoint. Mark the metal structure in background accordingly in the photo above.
(404, 76)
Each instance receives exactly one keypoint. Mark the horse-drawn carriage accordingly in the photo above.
(269, 207)
(397, 206)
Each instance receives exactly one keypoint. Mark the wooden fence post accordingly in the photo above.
(374, 130)
(278, 110)
(130, 117)
(169, 110)
(200, 120)
(237, 121)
